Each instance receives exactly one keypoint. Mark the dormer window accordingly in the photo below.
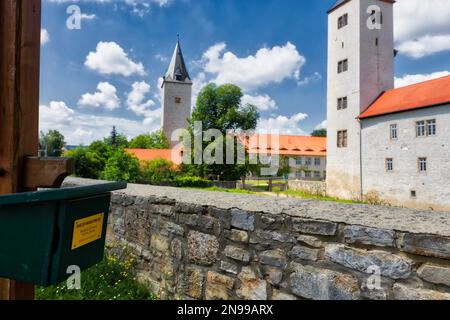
(178, 77)
(342, 21)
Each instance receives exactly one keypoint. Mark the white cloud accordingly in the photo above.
(267, 66)
(315, 77)
(282, 124)
(45, 37)
(409, 79)
(161, 57)
(322, 125)
(105, 97)
(81, 128)
(137, 102)
(262, 102)
(422, 27)
(137, 7)
(110, 58)
(86, 16)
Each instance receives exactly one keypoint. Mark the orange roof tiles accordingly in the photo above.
(287, 145)
(421, 95)
(173, 155)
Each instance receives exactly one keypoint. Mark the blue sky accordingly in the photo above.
(107, 72)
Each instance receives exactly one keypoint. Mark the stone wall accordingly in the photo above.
(312, 187)
(206, 245)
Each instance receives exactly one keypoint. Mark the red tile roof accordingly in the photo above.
(287, 145)
(173, 155)
(421, 95)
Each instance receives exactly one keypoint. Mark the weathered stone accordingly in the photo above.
(435, 274)
(176, 248)
(242, 220)
(275, 236)
(159, 243)
(206, 223)
(251, 287)
(276, 258)
(167, 228)
(218, 286)
(403, 292)
(217, 278)
(162, 209)
(237, 253)
(202, 248)
(370, 236)
(274, 275)
(322, 284)
(238, 236)
(188, 219)
(223, 215)
(279, 296)
(374, 293)
(425, 245)
(193, 282)
(304, 253)
(189, 208)
(390, 265)
(228, 267)
(311, 241)
(324, 228)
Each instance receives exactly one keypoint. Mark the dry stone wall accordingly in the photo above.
(205, 245)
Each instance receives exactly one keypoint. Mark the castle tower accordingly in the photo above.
(176, 95)
(360, 68)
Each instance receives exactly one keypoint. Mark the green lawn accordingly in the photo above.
(305, 195)
(109, 280)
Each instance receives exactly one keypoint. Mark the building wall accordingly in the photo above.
(433, 187)
(370, 72)
(298, 170)
(208, 245)
(175, 115)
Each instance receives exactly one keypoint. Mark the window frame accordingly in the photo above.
(343, 66)
(342, 139)
(389, 162)
(342, 103)
(422, 163)
(432, 122)
(422, 132)
(393, 128)
(343, 21)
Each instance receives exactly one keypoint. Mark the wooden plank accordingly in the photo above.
(20, 25)
(47, 172)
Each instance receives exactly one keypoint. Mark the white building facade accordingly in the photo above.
(384, 142)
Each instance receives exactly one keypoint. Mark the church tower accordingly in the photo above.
(360, 68)
(176, 95)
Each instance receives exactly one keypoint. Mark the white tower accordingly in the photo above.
(176, 95)
(360, 68)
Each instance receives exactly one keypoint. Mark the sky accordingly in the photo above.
(106, 71)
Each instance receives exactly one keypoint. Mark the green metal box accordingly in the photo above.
(43, 233)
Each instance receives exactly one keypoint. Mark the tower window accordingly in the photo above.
(422, 164)
(342, 103)
(177, 100)
(343, 21)
(394, 132)
(178, 77)
(342, 139)
(389, 164)
(376, 42)
(342, 66)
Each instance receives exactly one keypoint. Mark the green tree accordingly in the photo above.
(116, 139)
(319, 133)
(221, 108)
(52, 143)
(154, 140)
(158, 171)
(122, 166)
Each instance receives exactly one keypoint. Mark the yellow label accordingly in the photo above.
(87, 230)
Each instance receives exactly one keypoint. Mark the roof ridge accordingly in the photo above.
(418, 83)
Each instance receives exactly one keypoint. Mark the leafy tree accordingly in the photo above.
(154, 140)
(52, 143)
(122, 166)
(220, 108)
(158, 171)
(319, 133)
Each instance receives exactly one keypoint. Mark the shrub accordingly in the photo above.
(158, 171)
(122, 167)
(191, 182)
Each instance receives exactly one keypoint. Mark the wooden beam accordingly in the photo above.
(20, 25)
(47, 172)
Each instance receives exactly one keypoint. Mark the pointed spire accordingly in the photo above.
(177, 70)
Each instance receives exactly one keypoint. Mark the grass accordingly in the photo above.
(306, 195)
(216, 189)
(110, 280)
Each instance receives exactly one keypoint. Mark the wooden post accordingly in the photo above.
(20, 26)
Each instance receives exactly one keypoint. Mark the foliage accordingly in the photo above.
(154, 140)
(220, 108)
(319, 133)
(116, 140)
(52, 143)
(191, 182)
(122, 166)
(112, 279)
(285, 168)
(158, 171)
(306, 195)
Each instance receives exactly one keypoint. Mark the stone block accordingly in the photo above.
(322, 284)
(390, 265)
(242, 220)
(202, 249)
(317, 227)
(425, 245)
(304, 253)
(238, 236)
(276, 258)
(159, 243)
(228, 267)
(311, 241)
(237, 253)
(193, 282)
(251, 287)
(369, 236)
(278, 295)
(403, 292)
(435, 274)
